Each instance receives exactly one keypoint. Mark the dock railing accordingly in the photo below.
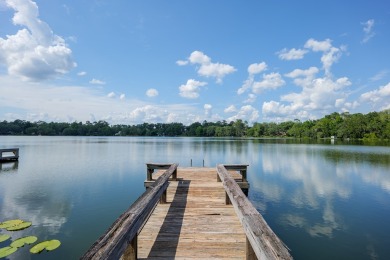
(120, 240)
(261, 241)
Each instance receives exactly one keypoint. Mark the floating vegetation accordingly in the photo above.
(49, 245)
(20, 242)
(4, 237)
(16, 225)
(21, 226)
(10, 223)
(6, 251)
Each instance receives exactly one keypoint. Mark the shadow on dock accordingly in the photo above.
(168, 237)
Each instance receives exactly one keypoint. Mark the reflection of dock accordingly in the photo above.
(197, 213)
(10, 154)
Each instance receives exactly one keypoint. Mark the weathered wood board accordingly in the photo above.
(195, 223)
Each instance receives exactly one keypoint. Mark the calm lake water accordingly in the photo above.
(324, 201)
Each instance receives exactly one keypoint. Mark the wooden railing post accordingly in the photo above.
(250, 254)
(131, 250)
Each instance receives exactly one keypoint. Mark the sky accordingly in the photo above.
(130, 62)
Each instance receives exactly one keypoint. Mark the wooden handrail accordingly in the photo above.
(262, 242)
(121, 238)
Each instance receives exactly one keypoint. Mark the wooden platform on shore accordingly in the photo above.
(9, 154)
(195, 221)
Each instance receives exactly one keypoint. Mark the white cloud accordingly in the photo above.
(246, 85)
(315, 45)
(97, 82)
(82, 73)
(230, 109)
(111, 95)
(152, 92)
(256, 68)
(34, 52)
(380, 75)
(246, 113)
(320, 94)
(379, 98)
(251, 98)
(207, 68)
(43, 101)
(191, 89)
(182, 62)
(207, 109)
(270, 81)
(122, 97)
(293, 54)
(330, 54)
(368, 30)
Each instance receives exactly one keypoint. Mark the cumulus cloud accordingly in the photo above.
(97, 82)
(379, 98)
(191, 89)
(111, 95)
(256, 68)
(182, 62)
(293, 54)
(368, 30)
(330, 54)
(230, 109)
(246, 113)
(207, 109)
(319, 94)
(270, 81)
(82, 73)
(208, 68)
(251, 98)
(152, 92)
(34, 52)
(122, 97)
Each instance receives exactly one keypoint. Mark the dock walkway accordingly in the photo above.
(195, 221)
(191, 213)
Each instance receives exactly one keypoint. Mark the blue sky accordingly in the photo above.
(129, 62)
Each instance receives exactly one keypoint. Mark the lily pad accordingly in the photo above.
(49, 245)
(24, 240)
(6, 251)
(10, 223)
(4, 237)
(23, 225)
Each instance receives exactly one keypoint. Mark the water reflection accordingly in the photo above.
(317, 197)
(9, 166)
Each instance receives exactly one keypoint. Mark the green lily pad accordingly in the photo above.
(4, 237)
(21, 226)
(10, 223)
(49, 245)
(6, 251)
(24, 240)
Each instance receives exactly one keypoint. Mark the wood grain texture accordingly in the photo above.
(263, 241)
(115, 242)
(195, 223)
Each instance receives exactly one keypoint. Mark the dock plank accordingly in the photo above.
(194, 223)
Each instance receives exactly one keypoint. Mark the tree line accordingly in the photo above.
(374, 125)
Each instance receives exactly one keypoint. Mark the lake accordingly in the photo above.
(325, 201)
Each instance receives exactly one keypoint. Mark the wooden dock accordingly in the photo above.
(9, 154)
(191, 213)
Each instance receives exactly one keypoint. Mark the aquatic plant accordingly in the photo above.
(49, 245)
(16, 225)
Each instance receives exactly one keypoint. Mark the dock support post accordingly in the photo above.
(131, 250)
(250, 254)
(163, 198)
